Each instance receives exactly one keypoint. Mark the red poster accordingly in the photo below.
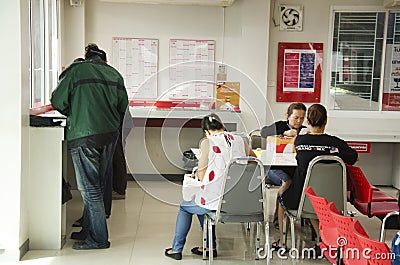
(299, 72)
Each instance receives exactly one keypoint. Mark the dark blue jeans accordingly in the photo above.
(93, 176)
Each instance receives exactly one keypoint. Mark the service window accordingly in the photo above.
(365, 61)
(44, 55)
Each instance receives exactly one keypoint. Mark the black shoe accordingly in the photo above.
(317, 250)
(118, 196)
(82, 245)
(196, 251)
(275, 246)
(177, 256)
(78, 235)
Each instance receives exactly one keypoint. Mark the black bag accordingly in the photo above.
(66, 192)
(189, 160)
(38, 121)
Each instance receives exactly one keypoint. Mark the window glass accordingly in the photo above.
(391, 86)
(358, 40)
(44, 42)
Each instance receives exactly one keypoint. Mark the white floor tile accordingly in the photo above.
(143, 225)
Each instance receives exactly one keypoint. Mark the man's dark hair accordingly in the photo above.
(92, 49)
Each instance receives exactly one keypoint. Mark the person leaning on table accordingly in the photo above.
(215, 153)
(93, 97)
(309, 146)
(282, 176)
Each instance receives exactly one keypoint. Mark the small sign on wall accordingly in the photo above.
(360, 147)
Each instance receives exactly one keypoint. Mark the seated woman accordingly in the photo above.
(215, 153)
(309, 146)
(281, 175)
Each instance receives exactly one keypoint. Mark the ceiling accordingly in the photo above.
(177, 2)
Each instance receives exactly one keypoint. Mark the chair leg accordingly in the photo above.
(292, 220)
(205, 230)
(284, 236)
(257, 238)
(210, 243)
(267, 248)
(248, 226)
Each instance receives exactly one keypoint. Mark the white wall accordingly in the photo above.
(249, 47)
(72, 32)
(396, 167)
(316, 23)
(244, 49)
(14, 118)
(374, 127)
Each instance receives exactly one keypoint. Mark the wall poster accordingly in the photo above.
(391, 85)
(299, 72)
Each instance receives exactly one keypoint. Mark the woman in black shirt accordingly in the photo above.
(309, 146)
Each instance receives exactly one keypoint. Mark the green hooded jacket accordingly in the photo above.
(92, 95)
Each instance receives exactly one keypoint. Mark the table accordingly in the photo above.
(267, 158)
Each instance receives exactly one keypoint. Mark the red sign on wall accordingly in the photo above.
(299, 72)
(360, 147)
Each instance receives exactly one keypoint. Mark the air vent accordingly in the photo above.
(291, 18)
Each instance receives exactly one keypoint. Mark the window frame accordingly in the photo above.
(48, 45)
(327, 98)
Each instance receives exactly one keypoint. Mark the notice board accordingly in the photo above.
(299, 72)
(191, 70)
(137, 61)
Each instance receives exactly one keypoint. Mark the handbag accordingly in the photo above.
(190, 186)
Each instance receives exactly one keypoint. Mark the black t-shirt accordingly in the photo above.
(277, 128)
(309, 146)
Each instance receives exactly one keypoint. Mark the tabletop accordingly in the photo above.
(267, 158)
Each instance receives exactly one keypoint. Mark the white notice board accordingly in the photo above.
(137, 61)
(191, 72)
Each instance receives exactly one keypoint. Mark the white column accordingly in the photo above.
(14, 119)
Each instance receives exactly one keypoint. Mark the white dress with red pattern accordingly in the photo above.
(223, 147)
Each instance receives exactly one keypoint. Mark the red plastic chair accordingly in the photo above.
(347, 240)
(362, 188)
(378, 254)
(368, 199)
(328, 231)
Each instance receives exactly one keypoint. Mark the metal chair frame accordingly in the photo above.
(241, 216)
(306, 211)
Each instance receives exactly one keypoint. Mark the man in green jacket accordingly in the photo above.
(93, 97)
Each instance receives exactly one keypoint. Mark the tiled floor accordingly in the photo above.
(143, 224)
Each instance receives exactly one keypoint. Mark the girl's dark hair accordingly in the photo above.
(317, 115)
(295, 105)
(211, 122)
(92, 49)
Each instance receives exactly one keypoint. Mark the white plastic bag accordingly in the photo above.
(190, 186)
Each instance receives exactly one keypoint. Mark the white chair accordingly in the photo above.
(243, 201)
